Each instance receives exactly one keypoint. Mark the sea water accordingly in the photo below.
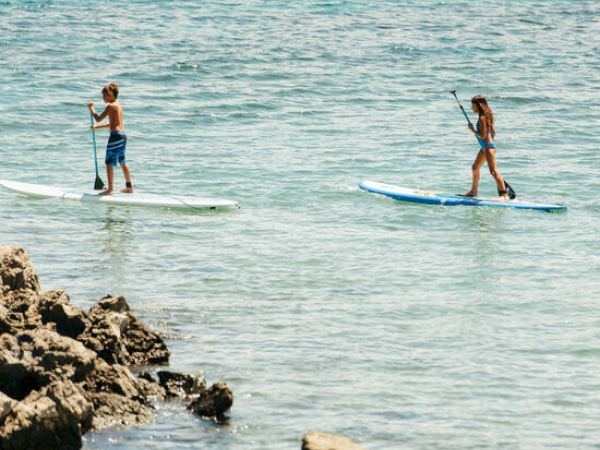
(322, 306)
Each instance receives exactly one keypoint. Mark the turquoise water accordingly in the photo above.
(324, 307)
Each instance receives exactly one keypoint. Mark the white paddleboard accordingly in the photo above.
(135, 199)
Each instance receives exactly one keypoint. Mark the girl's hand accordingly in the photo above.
(471, 127)
(91, 105)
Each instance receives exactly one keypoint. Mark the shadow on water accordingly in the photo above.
(117, 235)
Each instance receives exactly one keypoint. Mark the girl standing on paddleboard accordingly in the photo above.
(485, 133)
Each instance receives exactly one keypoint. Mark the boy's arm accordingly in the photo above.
(100, 117)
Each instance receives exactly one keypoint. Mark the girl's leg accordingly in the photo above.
(110, 176)
(127, 175)
(479, 160)
(490, 156)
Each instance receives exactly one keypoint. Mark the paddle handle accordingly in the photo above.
(461, 108)
(94, 141)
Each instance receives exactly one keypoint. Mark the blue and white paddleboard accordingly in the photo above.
(440, 198)
(135, 199)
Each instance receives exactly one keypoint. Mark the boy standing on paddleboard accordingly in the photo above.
(115, 149)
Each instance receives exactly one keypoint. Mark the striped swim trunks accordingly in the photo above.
(115, 149)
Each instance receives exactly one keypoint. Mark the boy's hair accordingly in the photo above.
(111, 88)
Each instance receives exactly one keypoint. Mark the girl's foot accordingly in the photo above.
(127, 191)
(469, 194)
(106, 192)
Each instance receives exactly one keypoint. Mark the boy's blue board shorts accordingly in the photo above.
(115, 149)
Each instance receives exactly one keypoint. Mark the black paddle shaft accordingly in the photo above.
(461, 107)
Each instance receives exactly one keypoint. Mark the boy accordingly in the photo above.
(115, 149)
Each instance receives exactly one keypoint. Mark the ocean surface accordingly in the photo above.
(324, 307)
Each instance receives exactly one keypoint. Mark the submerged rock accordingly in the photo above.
(65, 371)
(213, 403)
(325, 441)
(177, 385)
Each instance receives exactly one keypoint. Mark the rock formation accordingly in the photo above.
(65, 371)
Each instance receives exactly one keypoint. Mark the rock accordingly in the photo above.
(119, 337)
(119, 398)
(177, 385)
(69, 321)
(143, 345)
(16, 271)
(6, 405)
(325, 441)
(34, 359)
(103, 335)
(214, 402)
(150, 387)
(5, 325)
(110, 303)
(53, 418)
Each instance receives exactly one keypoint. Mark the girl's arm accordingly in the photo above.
(483, 129)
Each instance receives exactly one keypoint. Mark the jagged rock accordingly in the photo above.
(111, 303)
(325, 441)
(6, 405)
(34, 359)
(177, 385)
(119, 337)
(104, 334)
(119, 398)
(214, 402)
(53, 418)
(67, 320)
(5, 325)
(143, 345)
(16, 271)
(151, 387)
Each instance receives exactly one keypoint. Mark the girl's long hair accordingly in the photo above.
(484, 109)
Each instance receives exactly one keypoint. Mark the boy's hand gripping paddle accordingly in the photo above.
(511, 192)
(98, 184)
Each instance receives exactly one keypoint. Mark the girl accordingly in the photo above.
(485, 133)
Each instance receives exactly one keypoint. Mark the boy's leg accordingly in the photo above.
(110, 175)
(127, 174)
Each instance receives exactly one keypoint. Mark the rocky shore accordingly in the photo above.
(65, 371)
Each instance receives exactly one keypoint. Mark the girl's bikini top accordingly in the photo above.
(482, 142)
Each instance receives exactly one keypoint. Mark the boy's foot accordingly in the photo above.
(106, 192)
(127, 191)
(469, 194)
(503, 198)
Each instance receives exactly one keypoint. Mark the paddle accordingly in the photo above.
(98, 184)
(511, 192)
